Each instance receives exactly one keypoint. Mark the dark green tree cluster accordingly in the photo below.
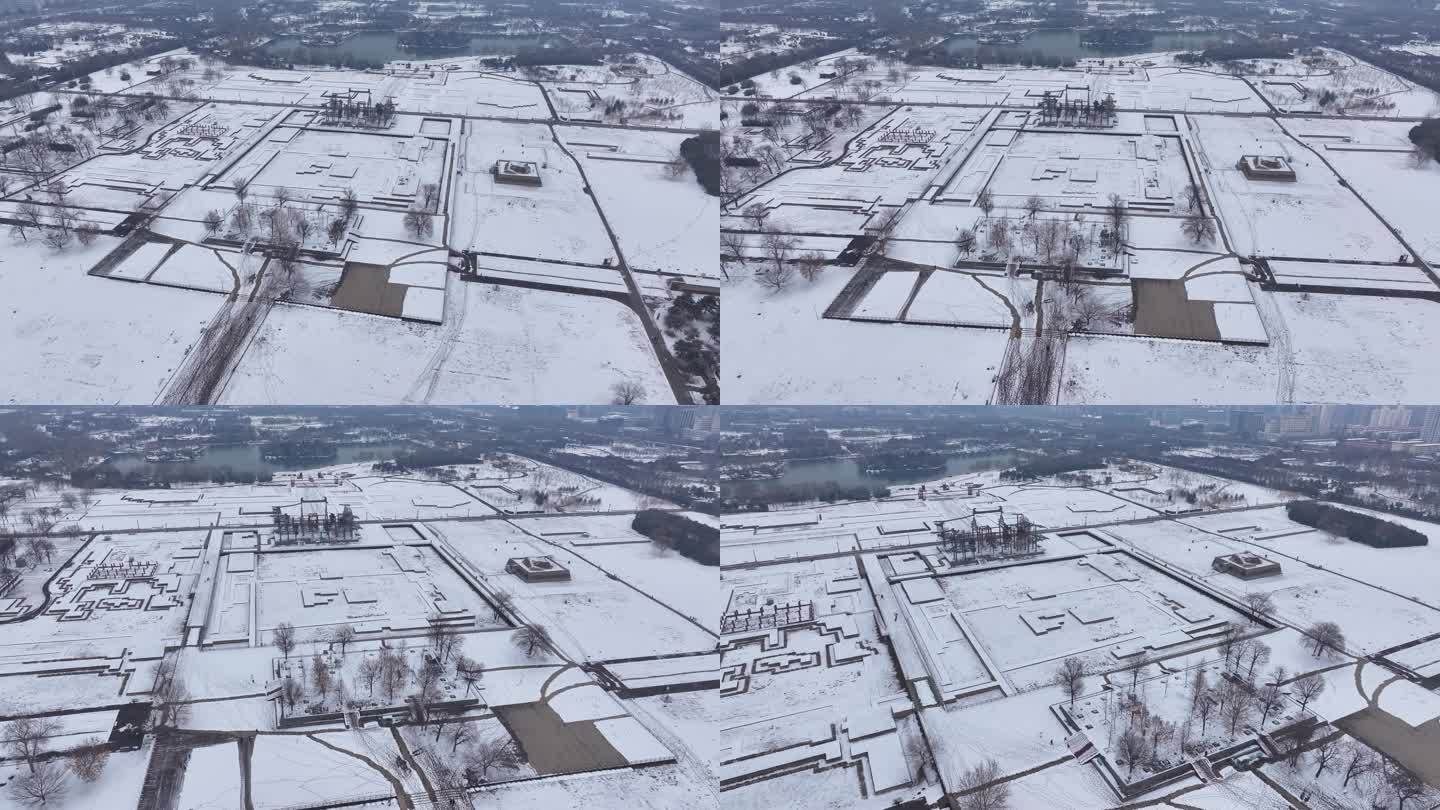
(1044, 467)
(1426, 135)
(691, 538)
(1356, 526)
(702, 152)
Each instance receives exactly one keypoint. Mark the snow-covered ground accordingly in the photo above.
(133, 598)
(216, 166)
(977, 645)
(1348, 222)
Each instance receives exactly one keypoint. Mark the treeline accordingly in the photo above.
(747, 496)
(902, 460)
(982, 55)
(766, 62)
(1235, 52)
(560, 55)
(162, 477)
(1333, 488)
(25, 80)
(659, 479)
(1357, 526)
(691, 538)
(425, 458)
(1045, 467)
(304, 450)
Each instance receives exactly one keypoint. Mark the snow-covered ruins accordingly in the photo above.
(1136, 229)
(504, 633)
(185, 230)
(1053, 631)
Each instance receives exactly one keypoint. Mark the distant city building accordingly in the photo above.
(691, 421)
(1292, 425)
(1430, 430)
(1245, 565)
(1390, 417)
(1247, 423)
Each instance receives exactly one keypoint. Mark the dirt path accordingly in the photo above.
(402, 798)
(414, 763)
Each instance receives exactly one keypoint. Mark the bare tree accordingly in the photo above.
(282, 196)
(1258, 654)
(1070, 677)
(394, 672)
(301, 225)
(981, 788)
(348, 204)
(627, 392)
(985, 201)
(25, 737)
(1269, 698)
(460, 733)
(469, 671)
(1401, 781)
(1194, 198)
(43, 784)
(1197, 227)
(88, 761)
(291, 692)
(1131, 748)
(1325, 752)
(320, 675)
(811, 264)
(87, 233)
(755, 213)
(442, 637)
(1237, 704)
(1204, 706)
(419, 223)
(241, 187)
(778, 273)
(1326, 637)
(213, 222)
(732, 245)
(27, 216)
(1308, 688)
(1360, 761)
(170, 698)
(965, 242)
(283, 637)
(1299, 739)
(342, 634)
(999, 237)
(531, 639)
(1134, 665)
(369, 672)
(1260, 604)
(1034, 205)
(1116, 214)
(56, 238)
(918, 752)
(489, 755)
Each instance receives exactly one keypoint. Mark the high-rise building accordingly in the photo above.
(1430, 429)
(1397, 416)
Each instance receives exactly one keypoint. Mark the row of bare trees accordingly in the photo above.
(46, 778)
